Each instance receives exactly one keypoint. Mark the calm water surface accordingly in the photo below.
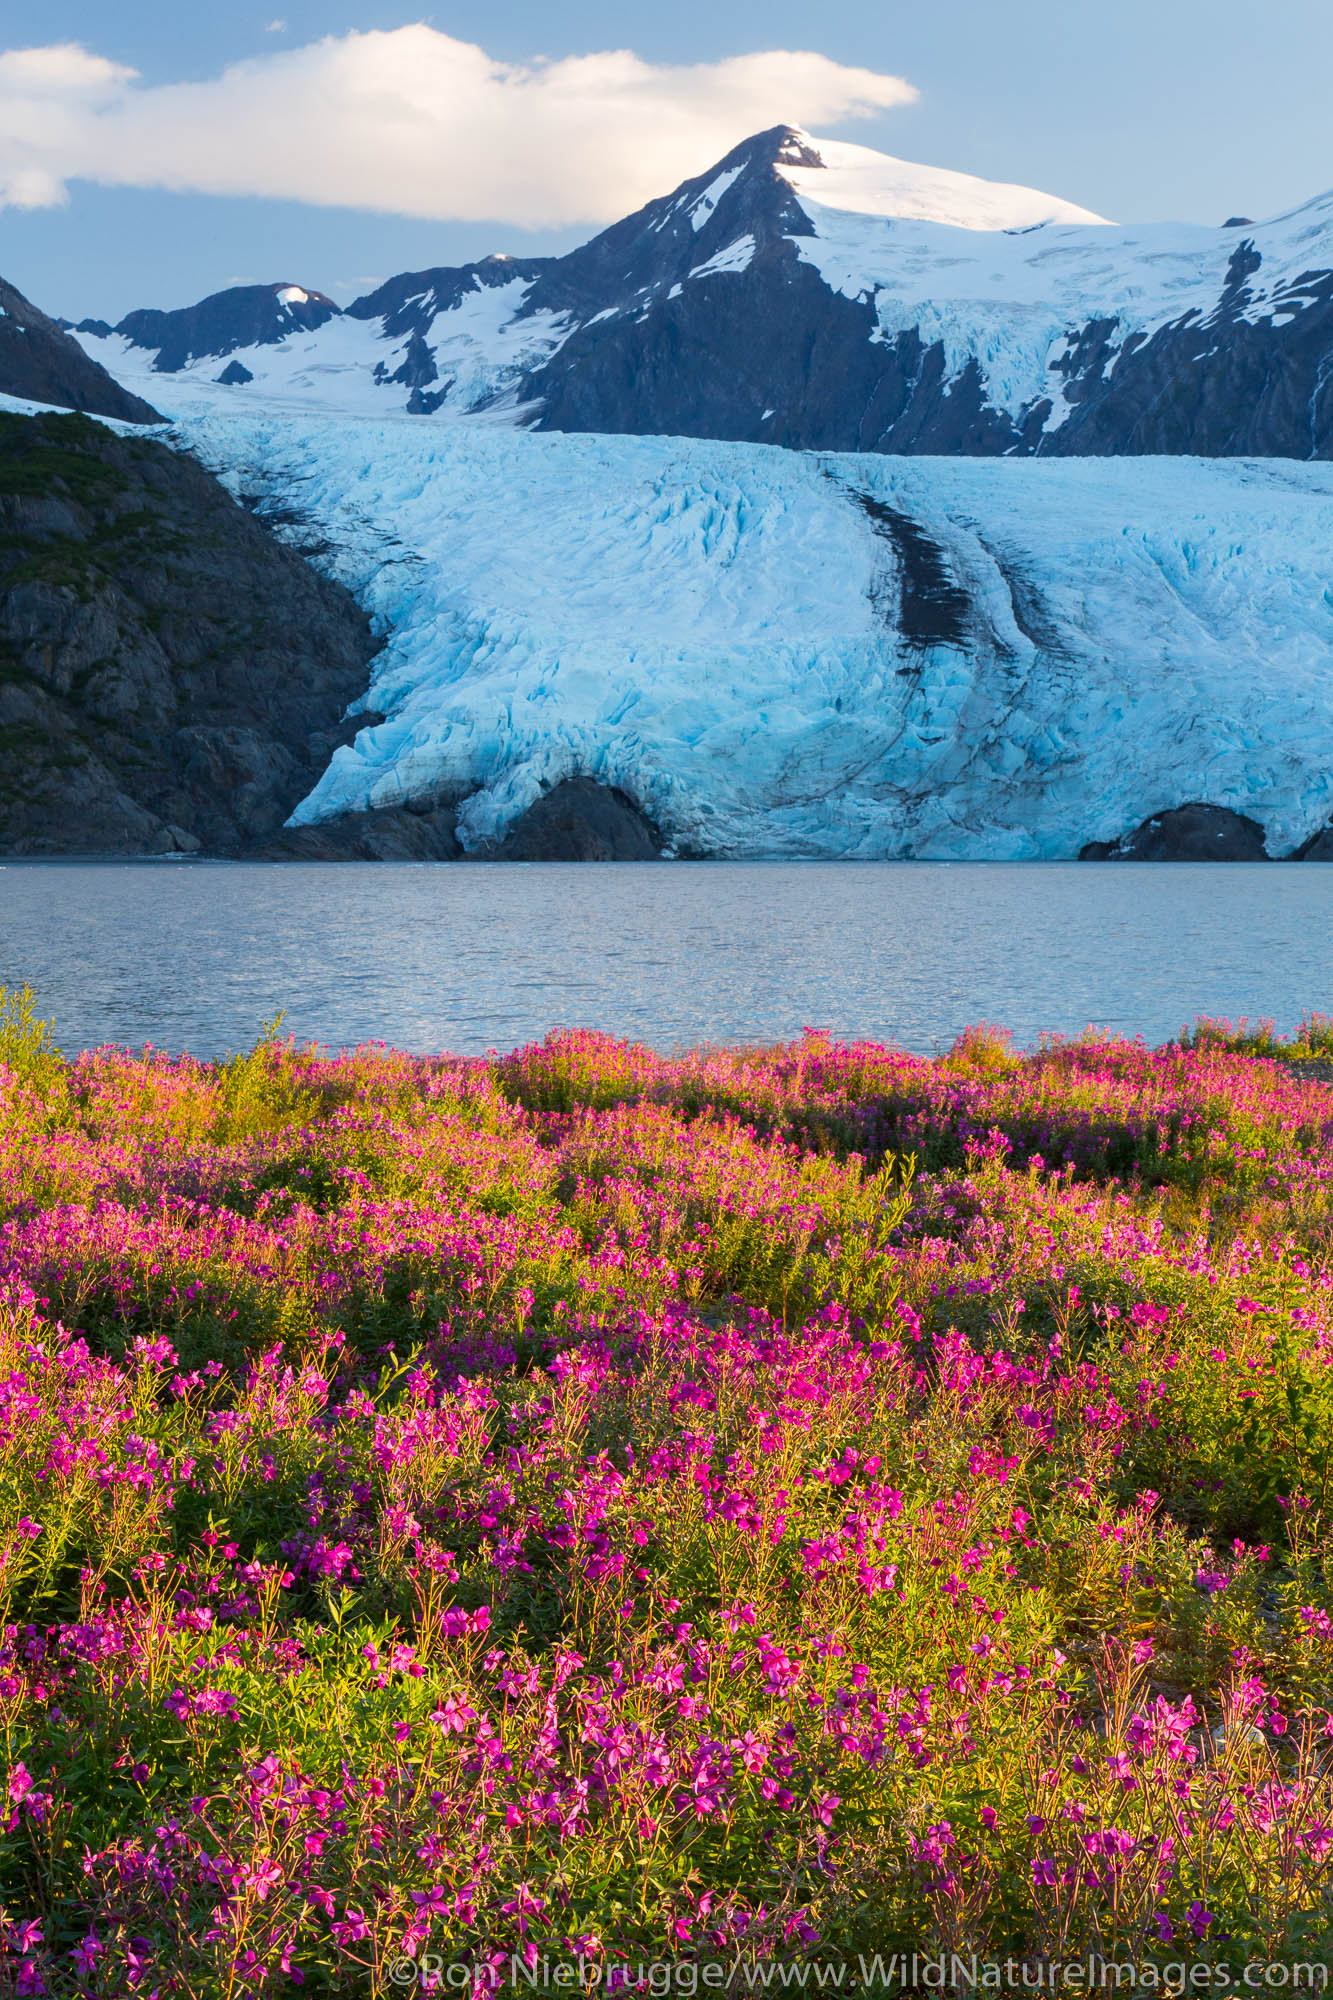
(198, 956)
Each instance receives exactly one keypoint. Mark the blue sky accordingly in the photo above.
(1139, 109)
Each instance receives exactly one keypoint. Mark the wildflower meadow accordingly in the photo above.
(755, 1508)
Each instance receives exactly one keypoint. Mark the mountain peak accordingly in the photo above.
(860, 181)
(777, 146)
(798, 149)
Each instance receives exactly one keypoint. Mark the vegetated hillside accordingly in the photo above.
(808, 293)
(42, 363)
(171, 677)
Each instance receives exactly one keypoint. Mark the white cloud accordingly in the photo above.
(278, 27)
(412, 122)
(48, 97)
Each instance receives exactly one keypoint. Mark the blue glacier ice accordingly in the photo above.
(741, 638)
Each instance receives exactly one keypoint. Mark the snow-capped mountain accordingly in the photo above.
(784, 653)
(814, 294)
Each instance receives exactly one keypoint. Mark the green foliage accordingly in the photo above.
(262, 1091)
(65, 456)
(27, 1045)
(982, 1050)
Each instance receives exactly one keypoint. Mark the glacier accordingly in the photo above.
(807, 654)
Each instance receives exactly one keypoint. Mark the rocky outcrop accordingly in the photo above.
(172, 678)
(1225, 387)
(578, 820)
(1193, 832)
(419, 832)
(1319, 847)
(42, 363)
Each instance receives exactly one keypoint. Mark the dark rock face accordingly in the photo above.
(243, 316)
(1192, 832)
(579, 820)
(172, 679)
(44, 364)
(235, 375)
(1319, 847)
(770, 355)
(399, 833)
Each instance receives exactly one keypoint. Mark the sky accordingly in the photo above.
(152, 153)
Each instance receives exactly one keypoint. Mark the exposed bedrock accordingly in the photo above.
(768, 354)
(1193, 832)
(172, 678)
(1198, 832)
(578, 820)
(1319, 847)
(396, 833)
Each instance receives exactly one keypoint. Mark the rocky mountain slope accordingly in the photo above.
(776, 653)
(813, 294)
(172, 678)
(42, 364)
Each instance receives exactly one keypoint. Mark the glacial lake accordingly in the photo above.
(470, 957)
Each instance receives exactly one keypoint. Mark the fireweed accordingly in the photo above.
(777, 1502)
